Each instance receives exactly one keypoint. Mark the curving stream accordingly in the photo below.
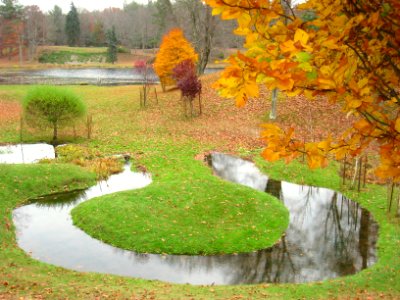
(328, 236)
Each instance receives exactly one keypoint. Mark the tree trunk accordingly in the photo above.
(20, 49)
(55, 131)
(191, 107)
(274, 99)
(209, 26)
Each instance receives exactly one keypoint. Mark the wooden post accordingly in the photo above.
(144, 96)
(21, 124)
(89, 126)
(201, 110)
(155, 92)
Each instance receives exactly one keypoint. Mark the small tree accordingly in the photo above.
(189, 84)
(144, 70)
(72, 26)
(46, 106)
(112, 46)
(173, 50)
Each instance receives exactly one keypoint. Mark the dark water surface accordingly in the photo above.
(96, 76)
(328, 236)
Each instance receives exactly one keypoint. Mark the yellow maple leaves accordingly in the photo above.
(345, 52)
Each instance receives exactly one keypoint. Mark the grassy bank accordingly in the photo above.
(163, 141)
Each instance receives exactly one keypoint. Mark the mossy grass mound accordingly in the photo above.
(192, 212)
(26, 181)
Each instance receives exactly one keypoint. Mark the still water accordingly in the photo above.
(25, 153)
(94, 76)
(328, 236)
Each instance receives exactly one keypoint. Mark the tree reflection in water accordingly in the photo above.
(328, 235)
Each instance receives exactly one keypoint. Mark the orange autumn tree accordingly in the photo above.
(346, 50)
(173, 50)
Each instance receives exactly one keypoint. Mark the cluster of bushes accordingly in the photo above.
(121, 49)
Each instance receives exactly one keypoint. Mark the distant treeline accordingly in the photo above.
(139, 26)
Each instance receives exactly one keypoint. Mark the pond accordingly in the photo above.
(328, 236)
(93, 76)
(26, 153)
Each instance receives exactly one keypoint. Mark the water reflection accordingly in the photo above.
(328, 236)
(25, 153)
(96, 76)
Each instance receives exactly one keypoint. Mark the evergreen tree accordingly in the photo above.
(112, 45)
(10, 9)
(56, 32)
(72, 26)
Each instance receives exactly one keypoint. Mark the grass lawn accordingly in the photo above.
(164, 142)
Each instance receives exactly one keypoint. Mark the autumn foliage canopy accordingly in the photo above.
(173, 50)
(343, 51)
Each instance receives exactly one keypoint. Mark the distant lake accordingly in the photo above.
(92, 76)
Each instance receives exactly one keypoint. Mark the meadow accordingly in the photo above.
(171, 147)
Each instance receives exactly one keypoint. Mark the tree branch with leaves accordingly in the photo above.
(344, 50)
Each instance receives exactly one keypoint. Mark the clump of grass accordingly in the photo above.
(121, 49)
(89, 159)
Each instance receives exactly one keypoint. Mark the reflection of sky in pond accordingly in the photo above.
(26, 153)
(328, 236)
(97, 76)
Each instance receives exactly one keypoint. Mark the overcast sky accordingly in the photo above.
(46, 5)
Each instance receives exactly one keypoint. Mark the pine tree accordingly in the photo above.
(72, 26)
(112, 46)
(10, 9)
(56, 31)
